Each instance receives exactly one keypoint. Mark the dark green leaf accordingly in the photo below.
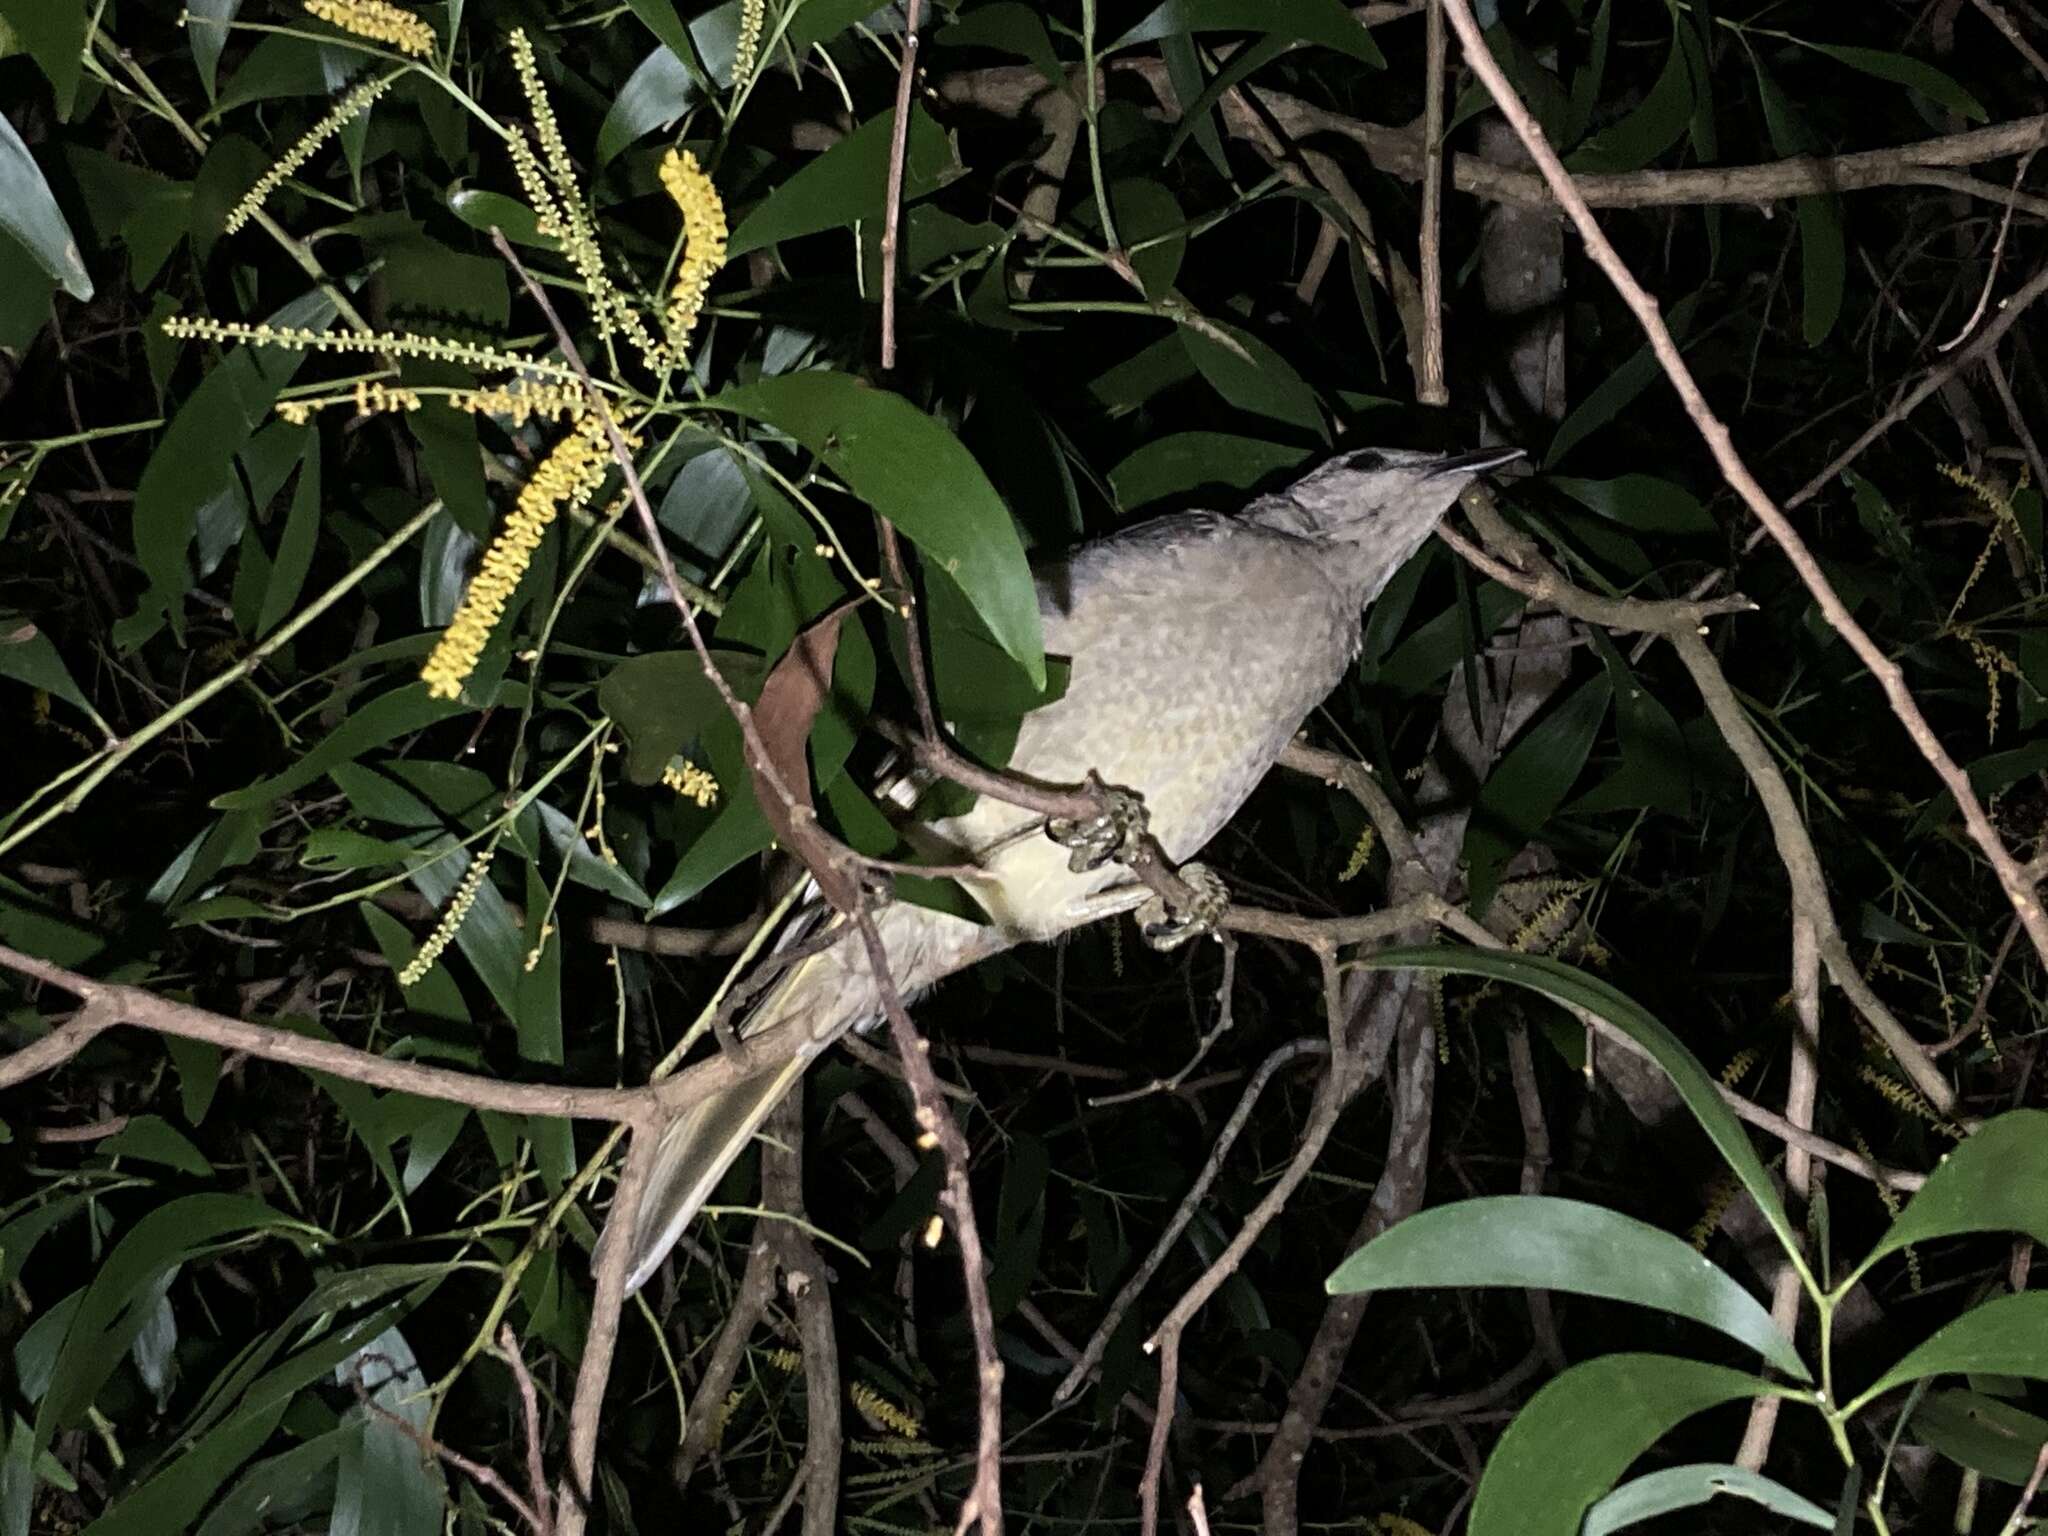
(1658, 1493)
(663, 701)
(1576, 1436)
(1995, 1181)
(1575, 989)
(1645, 133)
(1642, 502)
(1181, 462)
(193, 464)
(845, 184)
(2007, 1335)
(154, 1140)
(1904, 70)
(1529, 783)
(387, 717)
(1979, 1432)
(1313, 21)
(914, 472)
(30, 214)
(1008, 26)
(1543, 1243)
(1619, 389)
(1253, 377)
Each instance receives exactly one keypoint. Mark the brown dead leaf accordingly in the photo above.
(795, 691)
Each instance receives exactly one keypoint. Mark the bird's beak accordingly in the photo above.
(1477, 462)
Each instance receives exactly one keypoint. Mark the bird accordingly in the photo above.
(1198, 643)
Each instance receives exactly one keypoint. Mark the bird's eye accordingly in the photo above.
(1365, 458)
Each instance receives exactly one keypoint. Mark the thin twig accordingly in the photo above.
(892, 205)
(1430, 387)
(1890, 677)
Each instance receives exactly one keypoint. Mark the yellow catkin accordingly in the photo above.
(520, 403)
(704, 240)
(346, 111)
(1905, 1098)
(451, 920)
(1723, 1194)
(884, 1414)
(398, 343)
(569, 474)
(1401, 1525)
(1361, 855)
(748, 44)
(691, 782)
(1739, 1066)
(378, 21)
(785, 1360)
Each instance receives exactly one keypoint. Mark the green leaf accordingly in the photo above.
(1020, 1224)
(1657, 123)
(194, 462)
(1418, 662)
(1255, 378)
(1643, 502)
(53, 33)
(154, 1140)
(2007, 1335)
(1618, 390)
(1687, 1487)
(845, 184)
(295, 545)
(287, 1487)
(663, 701)
(1007, 26)
(107, 1320)
(1580, 1433)
(664, 87)
(383, 1486)
(739, 833)
(1995, 1181)
(1575, 989)
(489, 939)
(486, 211)
(206, 33)
(914, 472)
(1187, 461)
(1529, 783)
(28, 656)
(174, 1496)
(1903, 70)
(1823, 260)
(1981, 1433)
(1544, 1243)
(30, 214)
(401, 712)
(1313, 21)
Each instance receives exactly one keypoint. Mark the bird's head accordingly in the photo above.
(1374, 506)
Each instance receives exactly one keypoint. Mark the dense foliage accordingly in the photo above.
(345, 696)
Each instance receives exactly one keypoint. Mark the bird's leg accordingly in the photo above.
(1168, 928)
(1114, 834)
(1114, 902)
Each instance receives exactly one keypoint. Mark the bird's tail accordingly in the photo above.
(831, 991)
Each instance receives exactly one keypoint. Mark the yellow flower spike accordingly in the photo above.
(378, 21)
(704, 239)
(349, 108)
(748, 43)
(570, 473)
(458, 908)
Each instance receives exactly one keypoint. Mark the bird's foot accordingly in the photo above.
(1168, 928)
(1115, 834)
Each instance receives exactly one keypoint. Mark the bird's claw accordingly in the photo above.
(1167, 928)
(1094, 842)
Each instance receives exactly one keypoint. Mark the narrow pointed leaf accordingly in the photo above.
(1576, 1436)
(1552, 1244)
(2007, 1336)
(1686, 1487)
(1575, 989)
(1997, 1181)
